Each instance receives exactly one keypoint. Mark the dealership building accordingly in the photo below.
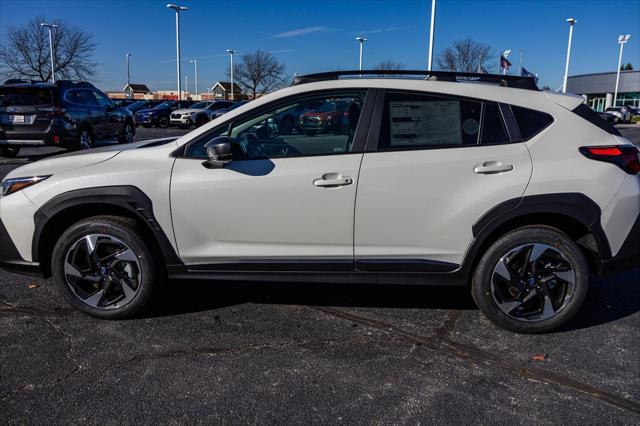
(598, 89)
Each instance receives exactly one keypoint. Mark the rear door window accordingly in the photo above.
(412, 121)
(25, 96)
(493, 129)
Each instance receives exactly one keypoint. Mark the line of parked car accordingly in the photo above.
(620, 114)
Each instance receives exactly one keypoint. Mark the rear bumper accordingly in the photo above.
(65, 133)
(628, 257)
(10, 259)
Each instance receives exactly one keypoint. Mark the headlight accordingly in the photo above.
(9, 186)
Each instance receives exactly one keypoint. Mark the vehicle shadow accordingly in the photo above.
(184, 296)
(608, 300)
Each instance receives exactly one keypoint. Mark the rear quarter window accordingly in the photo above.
(594, 118)
(530, 122)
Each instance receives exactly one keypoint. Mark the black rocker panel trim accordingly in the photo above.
(404, 265)
(127, 197)
(572, 204)
(275, 265)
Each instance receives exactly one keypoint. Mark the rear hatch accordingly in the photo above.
(25, 109)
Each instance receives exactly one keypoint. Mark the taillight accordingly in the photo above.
(627, 157)
(52, 111)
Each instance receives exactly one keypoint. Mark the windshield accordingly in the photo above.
(201, 105)
(167, 104)
(613, 109)
(21, 96)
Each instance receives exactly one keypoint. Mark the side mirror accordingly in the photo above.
(219, 153)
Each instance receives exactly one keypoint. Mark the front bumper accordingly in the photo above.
(181, 121)
(628, 257)
(146, 119)
(10, 259)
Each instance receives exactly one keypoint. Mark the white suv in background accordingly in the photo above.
(457, 179)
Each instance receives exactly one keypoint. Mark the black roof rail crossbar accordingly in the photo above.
(514, 81)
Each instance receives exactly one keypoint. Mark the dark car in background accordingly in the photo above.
(289, 119)
(159, 115)
(66, 114)
(142, 104)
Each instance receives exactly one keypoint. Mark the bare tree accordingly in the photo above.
(258, 72)
(389, 65)
(24, 53)
(467, 56)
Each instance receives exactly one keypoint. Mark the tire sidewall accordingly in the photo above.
(481, 285)
(126, 235)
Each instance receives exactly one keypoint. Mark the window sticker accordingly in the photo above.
(470, 126)
(425, 123)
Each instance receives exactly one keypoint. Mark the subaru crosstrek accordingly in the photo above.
(66, 114)
(517, 193)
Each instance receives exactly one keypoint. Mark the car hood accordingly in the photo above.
(75, 160)
(146, 111)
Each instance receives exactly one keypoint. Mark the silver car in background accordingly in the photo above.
(198, 114)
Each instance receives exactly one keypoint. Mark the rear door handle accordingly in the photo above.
(332, 180)
(492, 167)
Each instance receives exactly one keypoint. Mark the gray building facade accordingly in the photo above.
(598, 88)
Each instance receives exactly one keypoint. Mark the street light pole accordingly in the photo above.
(50, 27)
(186, 84)
(621, 40)
(195, 64)
(431, 31)
(178, 9)
(128, 73)
(361, 40)
(571, 21)
(231, 52)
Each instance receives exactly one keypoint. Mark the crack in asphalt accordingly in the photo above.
(442, 342)
(34, 310)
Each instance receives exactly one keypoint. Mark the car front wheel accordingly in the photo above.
(103, 267)
(86, 139)
(531, 280)
(127, 133)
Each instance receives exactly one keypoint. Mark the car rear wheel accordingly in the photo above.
(86, 139)
(531, 280)
(9, 152)
(127, 133)
(310, 132)
(163, 122)
(103, 267)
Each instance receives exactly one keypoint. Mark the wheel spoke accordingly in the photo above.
(502, 270)
(568, 276)
(548, 310)
(128, 256)
(127, 288)
(96, 299)
(69, 269)
(508, 307)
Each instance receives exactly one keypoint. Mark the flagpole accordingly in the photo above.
(521, 55)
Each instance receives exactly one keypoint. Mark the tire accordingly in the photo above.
(9, 152)
(146, 126)
(163, 122)
(502, 280)
(85, 141)
(201, 120)
(310, 133)
(286, 125)
(134, 263)
(127, 133)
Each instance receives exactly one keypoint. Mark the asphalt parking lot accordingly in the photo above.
(286, 353)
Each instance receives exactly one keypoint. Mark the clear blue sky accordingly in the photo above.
(312, 36)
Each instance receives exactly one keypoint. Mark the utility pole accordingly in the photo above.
(361, 40)
(431, 33)
(621, 40)
(178, 9)
(571, 22)
(231, 52)
(129, 75)
(195, 64)
(50, 27)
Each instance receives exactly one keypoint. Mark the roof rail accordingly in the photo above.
(518, 82)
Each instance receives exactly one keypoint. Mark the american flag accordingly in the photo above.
(504, 63)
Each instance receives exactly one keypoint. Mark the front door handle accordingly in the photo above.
(332, 180)
(492, 167)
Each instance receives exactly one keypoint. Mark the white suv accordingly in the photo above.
(458, 179)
